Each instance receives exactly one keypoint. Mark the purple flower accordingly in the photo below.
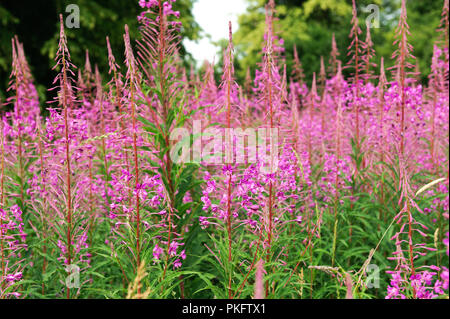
(157, 252)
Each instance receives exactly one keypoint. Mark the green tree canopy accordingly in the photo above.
(309, 25)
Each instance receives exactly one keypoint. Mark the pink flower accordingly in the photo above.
(157, 252)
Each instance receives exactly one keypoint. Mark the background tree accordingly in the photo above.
(37, 27)
(309, 25)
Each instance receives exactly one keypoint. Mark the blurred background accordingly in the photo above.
(307, 24)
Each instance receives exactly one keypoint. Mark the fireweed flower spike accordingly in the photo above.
(66, 128)
(334, 54)
(163, 110)
(92, 188)
(402, 56)
(355, 62)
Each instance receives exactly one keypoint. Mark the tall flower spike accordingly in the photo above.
(15, 65)
(381, 90)
(295, 117)
(339, 80)
(228, 82)
(89, 78)
(443, 27)
(228, 76)
(88, 68)
(437, 84)
(322, 76)
(417, 73)
(157, 52)
(132, 82)
(81, 86)
(113, 66)
(66, 100)
(402, 55)
(23, 119)
(333, 57)
(312, 97)
(208, 90)
(297, 70)
(271, 97)
(100, 98)
(157, 48)
(248, 83)
(270, 69)
(369, 54)
(355, 63)
(27, 76)
(17, 100)
(116, 87)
